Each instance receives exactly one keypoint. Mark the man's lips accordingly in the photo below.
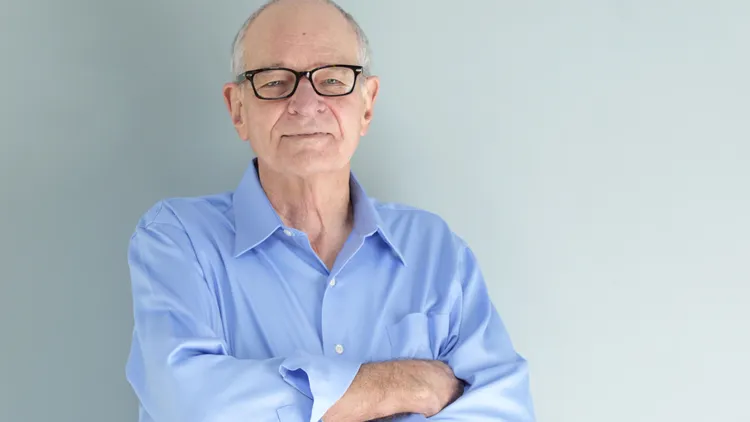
(305, 135)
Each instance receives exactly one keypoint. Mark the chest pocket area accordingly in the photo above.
(418, 336)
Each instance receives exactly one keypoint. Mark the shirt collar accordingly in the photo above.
(256, 220)
(254, 217)
(367, 219)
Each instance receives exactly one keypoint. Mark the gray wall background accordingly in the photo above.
(594, 154)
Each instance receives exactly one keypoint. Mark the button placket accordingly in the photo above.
(332, 332)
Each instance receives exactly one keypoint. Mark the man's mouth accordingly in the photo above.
(305, 135)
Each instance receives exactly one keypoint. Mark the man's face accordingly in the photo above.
(306, 133)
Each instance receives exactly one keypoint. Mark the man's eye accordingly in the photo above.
(331, 81)
(273, 84)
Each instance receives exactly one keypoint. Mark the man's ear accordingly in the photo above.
(233, 101)
(372, 87)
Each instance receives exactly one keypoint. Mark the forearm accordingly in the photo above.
(380, 390)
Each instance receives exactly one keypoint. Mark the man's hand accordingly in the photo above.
(436, 384)
(385, 389)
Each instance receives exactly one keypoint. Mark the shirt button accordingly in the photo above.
(287, 232)
(339, 349)
(332, 282)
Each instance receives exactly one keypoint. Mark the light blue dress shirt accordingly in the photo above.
(238, 320)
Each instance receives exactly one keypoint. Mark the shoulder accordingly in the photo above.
(192, 225)
(188, 212)
(391, 212)
(412, 225)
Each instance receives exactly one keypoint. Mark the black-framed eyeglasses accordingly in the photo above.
(277, 83)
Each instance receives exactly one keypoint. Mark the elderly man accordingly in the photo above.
(296, 297)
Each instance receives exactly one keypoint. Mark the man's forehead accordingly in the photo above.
(295, 36)
(299, 55)
(299, 49)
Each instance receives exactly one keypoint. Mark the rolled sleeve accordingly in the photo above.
(323, 379)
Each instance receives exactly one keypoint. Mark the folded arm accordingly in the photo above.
(181, 369)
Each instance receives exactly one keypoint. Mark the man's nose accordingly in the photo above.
(305, 100)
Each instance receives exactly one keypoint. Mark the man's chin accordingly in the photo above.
(311, 162)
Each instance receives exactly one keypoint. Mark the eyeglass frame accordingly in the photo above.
(248, 76)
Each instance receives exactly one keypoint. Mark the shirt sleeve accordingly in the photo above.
(179, 365)
(497, 378)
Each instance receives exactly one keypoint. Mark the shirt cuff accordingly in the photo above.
(322, 379)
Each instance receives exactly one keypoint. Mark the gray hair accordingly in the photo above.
(238, 50)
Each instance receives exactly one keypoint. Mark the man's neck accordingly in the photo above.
(318, 205)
